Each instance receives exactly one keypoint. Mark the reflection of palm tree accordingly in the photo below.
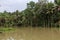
(10, 38)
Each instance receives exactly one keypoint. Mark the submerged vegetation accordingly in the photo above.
(36, 14)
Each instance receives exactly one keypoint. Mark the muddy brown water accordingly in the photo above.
(31, 34)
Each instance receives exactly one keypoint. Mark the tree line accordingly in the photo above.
(35, 15)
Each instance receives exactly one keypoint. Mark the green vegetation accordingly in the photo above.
(36, 14)
(57, 2)
(6, 29)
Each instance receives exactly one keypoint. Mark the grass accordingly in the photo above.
(5, 29)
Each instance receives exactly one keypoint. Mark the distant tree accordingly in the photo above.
(57, 2)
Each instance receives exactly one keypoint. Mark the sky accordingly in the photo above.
(13, 5)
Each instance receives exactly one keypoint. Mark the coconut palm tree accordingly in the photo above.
(57, 2)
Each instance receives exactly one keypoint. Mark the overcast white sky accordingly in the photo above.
(12, 5)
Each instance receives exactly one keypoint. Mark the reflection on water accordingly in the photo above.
(31, 34)
(11, 38)
(18, 34)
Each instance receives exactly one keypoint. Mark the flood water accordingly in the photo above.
(31, 34)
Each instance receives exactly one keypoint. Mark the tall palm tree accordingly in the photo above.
(57, 2)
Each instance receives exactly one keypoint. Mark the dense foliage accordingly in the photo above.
(45, 15)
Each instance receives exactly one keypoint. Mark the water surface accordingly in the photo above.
(28, 33)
